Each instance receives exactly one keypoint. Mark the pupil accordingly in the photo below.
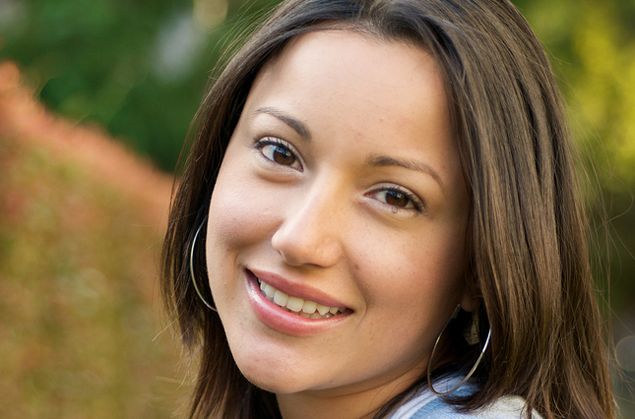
(396, 198)
(282, 156)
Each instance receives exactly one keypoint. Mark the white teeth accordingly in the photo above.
(295, 304)
(309, 306)
(280, 298)
(322, 309)
(305, 308)
(269, 290)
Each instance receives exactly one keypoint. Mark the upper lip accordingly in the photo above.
(296, 289)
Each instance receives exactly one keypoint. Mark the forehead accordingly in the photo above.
(353, 72)
(348, 50)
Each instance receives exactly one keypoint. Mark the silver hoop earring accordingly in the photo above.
(192, 270)
(469, 374)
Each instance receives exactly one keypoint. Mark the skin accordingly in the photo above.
(346, 118)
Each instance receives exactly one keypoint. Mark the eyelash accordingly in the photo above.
(261, 143)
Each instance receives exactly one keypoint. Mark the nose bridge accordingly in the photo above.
(310, 231)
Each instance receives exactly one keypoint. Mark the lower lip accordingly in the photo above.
(285, 321)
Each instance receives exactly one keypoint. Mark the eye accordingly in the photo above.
(279, 152)
(398, 199)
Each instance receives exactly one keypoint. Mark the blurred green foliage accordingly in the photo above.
(137, 68)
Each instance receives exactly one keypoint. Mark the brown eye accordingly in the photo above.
(276, 151)
(282, 156)
(396, 199)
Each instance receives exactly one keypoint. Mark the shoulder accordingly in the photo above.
(508, 407)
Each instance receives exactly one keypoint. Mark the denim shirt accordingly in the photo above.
(426, 404)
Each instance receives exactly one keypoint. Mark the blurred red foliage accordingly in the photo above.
(81, 221)
(24, 118)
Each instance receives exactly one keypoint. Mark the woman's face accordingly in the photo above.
(341, 194)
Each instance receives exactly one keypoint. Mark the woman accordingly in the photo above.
(379, 218)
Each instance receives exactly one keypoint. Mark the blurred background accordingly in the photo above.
(96, 97)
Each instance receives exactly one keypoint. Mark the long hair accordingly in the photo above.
(526, 231)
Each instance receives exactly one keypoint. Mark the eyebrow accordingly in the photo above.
(375, 160)
(298, 126)
(378, 160)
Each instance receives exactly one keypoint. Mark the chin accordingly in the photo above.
(274, 383)
(269, 373)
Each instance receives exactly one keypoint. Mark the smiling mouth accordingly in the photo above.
(305, 308)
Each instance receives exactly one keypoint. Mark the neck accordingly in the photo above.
(340, 403)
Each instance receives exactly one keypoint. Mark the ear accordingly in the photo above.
(471, 298)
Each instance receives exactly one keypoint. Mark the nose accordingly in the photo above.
(310, 233)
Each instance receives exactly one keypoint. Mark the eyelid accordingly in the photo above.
(261, 142)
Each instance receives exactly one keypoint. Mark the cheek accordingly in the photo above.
(241, 213)
(422, 272)
(228, 213)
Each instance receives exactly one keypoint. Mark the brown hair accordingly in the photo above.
(527, 227)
